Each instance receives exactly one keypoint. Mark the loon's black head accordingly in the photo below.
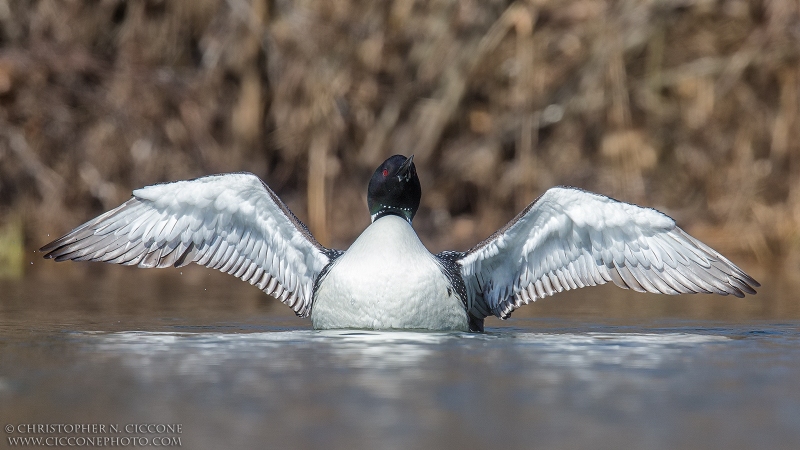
(394, 189)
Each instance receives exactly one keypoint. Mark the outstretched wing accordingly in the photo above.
(569, 238)
(231, 222)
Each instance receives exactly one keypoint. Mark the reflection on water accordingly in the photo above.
(382, 361)
(379, 351)
(238, 371)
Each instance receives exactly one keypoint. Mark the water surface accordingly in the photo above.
(598, 368)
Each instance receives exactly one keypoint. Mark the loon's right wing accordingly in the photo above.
(231, 222)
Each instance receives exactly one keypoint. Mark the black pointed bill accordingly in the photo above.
(404, 172)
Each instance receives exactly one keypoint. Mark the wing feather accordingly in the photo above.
(230, 222)
(569, 238)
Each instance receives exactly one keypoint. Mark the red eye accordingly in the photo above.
(386, 172)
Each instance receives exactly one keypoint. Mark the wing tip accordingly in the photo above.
(48, 251)
(53, 246)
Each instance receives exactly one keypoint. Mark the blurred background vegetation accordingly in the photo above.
(687, 106)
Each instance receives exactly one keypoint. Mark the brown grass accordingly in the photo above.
(690, 107)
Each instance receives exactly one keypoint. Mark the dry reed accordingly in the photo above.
(688, 106)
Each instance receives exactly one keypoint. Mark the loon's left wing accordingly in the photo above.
(569, 238)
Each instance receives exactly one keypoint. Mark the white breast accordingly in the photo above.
(387, 279)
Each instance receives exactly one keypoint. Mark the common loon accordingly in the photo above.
(566, 239)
